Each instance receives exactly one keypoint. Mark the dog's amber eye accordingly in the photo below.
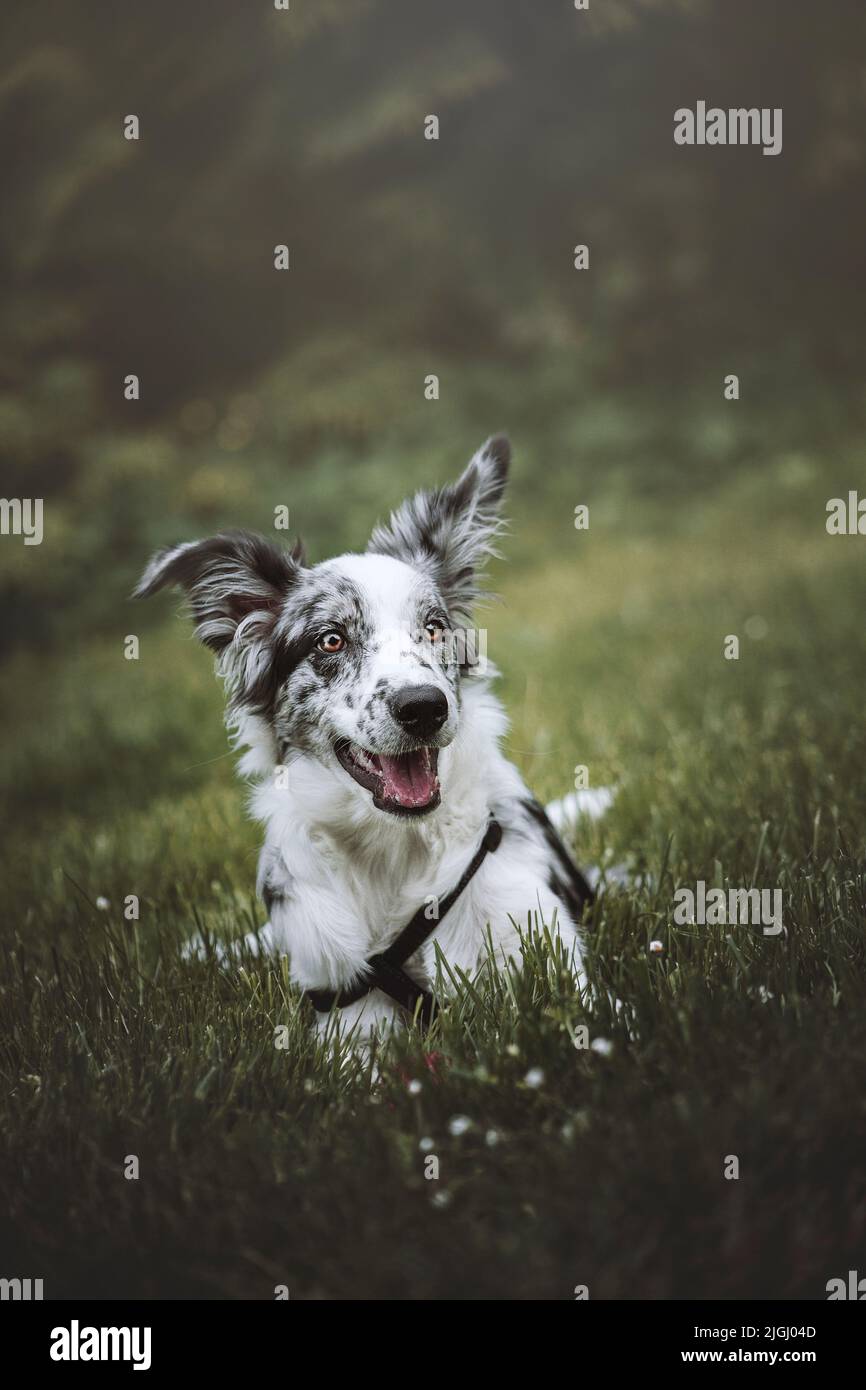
(434, 630)
(331, 642)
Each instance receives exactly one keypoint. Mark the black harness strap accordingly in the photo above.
(385, 970)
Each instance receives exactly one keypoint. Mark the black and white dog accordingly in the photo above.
(373, 745)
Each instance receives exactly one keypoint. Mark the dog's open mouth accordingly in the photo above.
(407, 784)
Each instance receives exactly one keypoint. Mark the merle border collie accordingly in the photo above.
(372, 741)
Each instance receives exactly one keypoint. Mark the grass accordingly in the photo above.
(571, 1165)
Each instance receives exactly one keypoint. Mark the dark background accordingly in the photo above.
(305, 127)
(306, 389)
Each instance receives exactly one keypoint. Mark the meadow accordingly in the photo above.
(560, 1165)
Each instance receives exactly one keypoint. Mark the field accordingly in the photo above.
(559, 1165)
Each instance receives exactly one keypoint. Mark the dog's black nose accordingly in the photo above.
(421, 709)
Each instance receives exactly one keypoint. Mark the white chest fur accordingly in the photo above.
(341, 883)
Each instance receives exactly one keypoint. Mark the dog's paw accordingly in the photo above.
(195, 949)
(255, 943)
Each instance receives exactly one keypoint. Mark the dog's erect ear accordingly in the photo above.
(236, 584)
(451, 531)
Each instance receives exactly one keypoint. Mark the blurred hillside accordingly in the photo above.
(407, 257)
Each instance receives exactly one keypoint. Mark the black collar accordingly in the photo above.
(385, 970)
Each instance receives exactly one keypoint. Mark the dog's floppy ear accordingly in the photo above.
(451, 531)
(236, 583)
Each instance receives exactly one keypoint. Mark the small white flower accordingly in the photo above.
(513, 1050)
(458, 1124)
(103, 904)
(656, 947)
(414, 1088)
(765, 994)
(492, 1138)
(534, 1078)
(441, 1199)
(425, 1144)
(603, 1046)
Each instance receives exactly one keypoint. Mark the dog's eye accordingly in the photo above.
(331, 642)
(434, 630)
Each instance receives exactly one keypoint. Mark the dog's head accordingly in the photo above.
(357, 661)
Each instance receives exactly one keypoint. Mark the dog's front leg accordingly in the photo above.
(372, 1019)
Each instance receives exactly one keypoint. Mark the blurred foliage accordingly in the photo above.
(408, 256)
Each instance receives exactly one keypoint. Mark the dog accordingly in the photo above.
(372, 740)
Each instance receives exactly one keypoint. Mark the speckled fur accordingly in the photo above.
(339, 877)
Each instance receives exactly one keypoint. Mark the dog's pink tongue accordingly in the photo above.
(410, 779)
